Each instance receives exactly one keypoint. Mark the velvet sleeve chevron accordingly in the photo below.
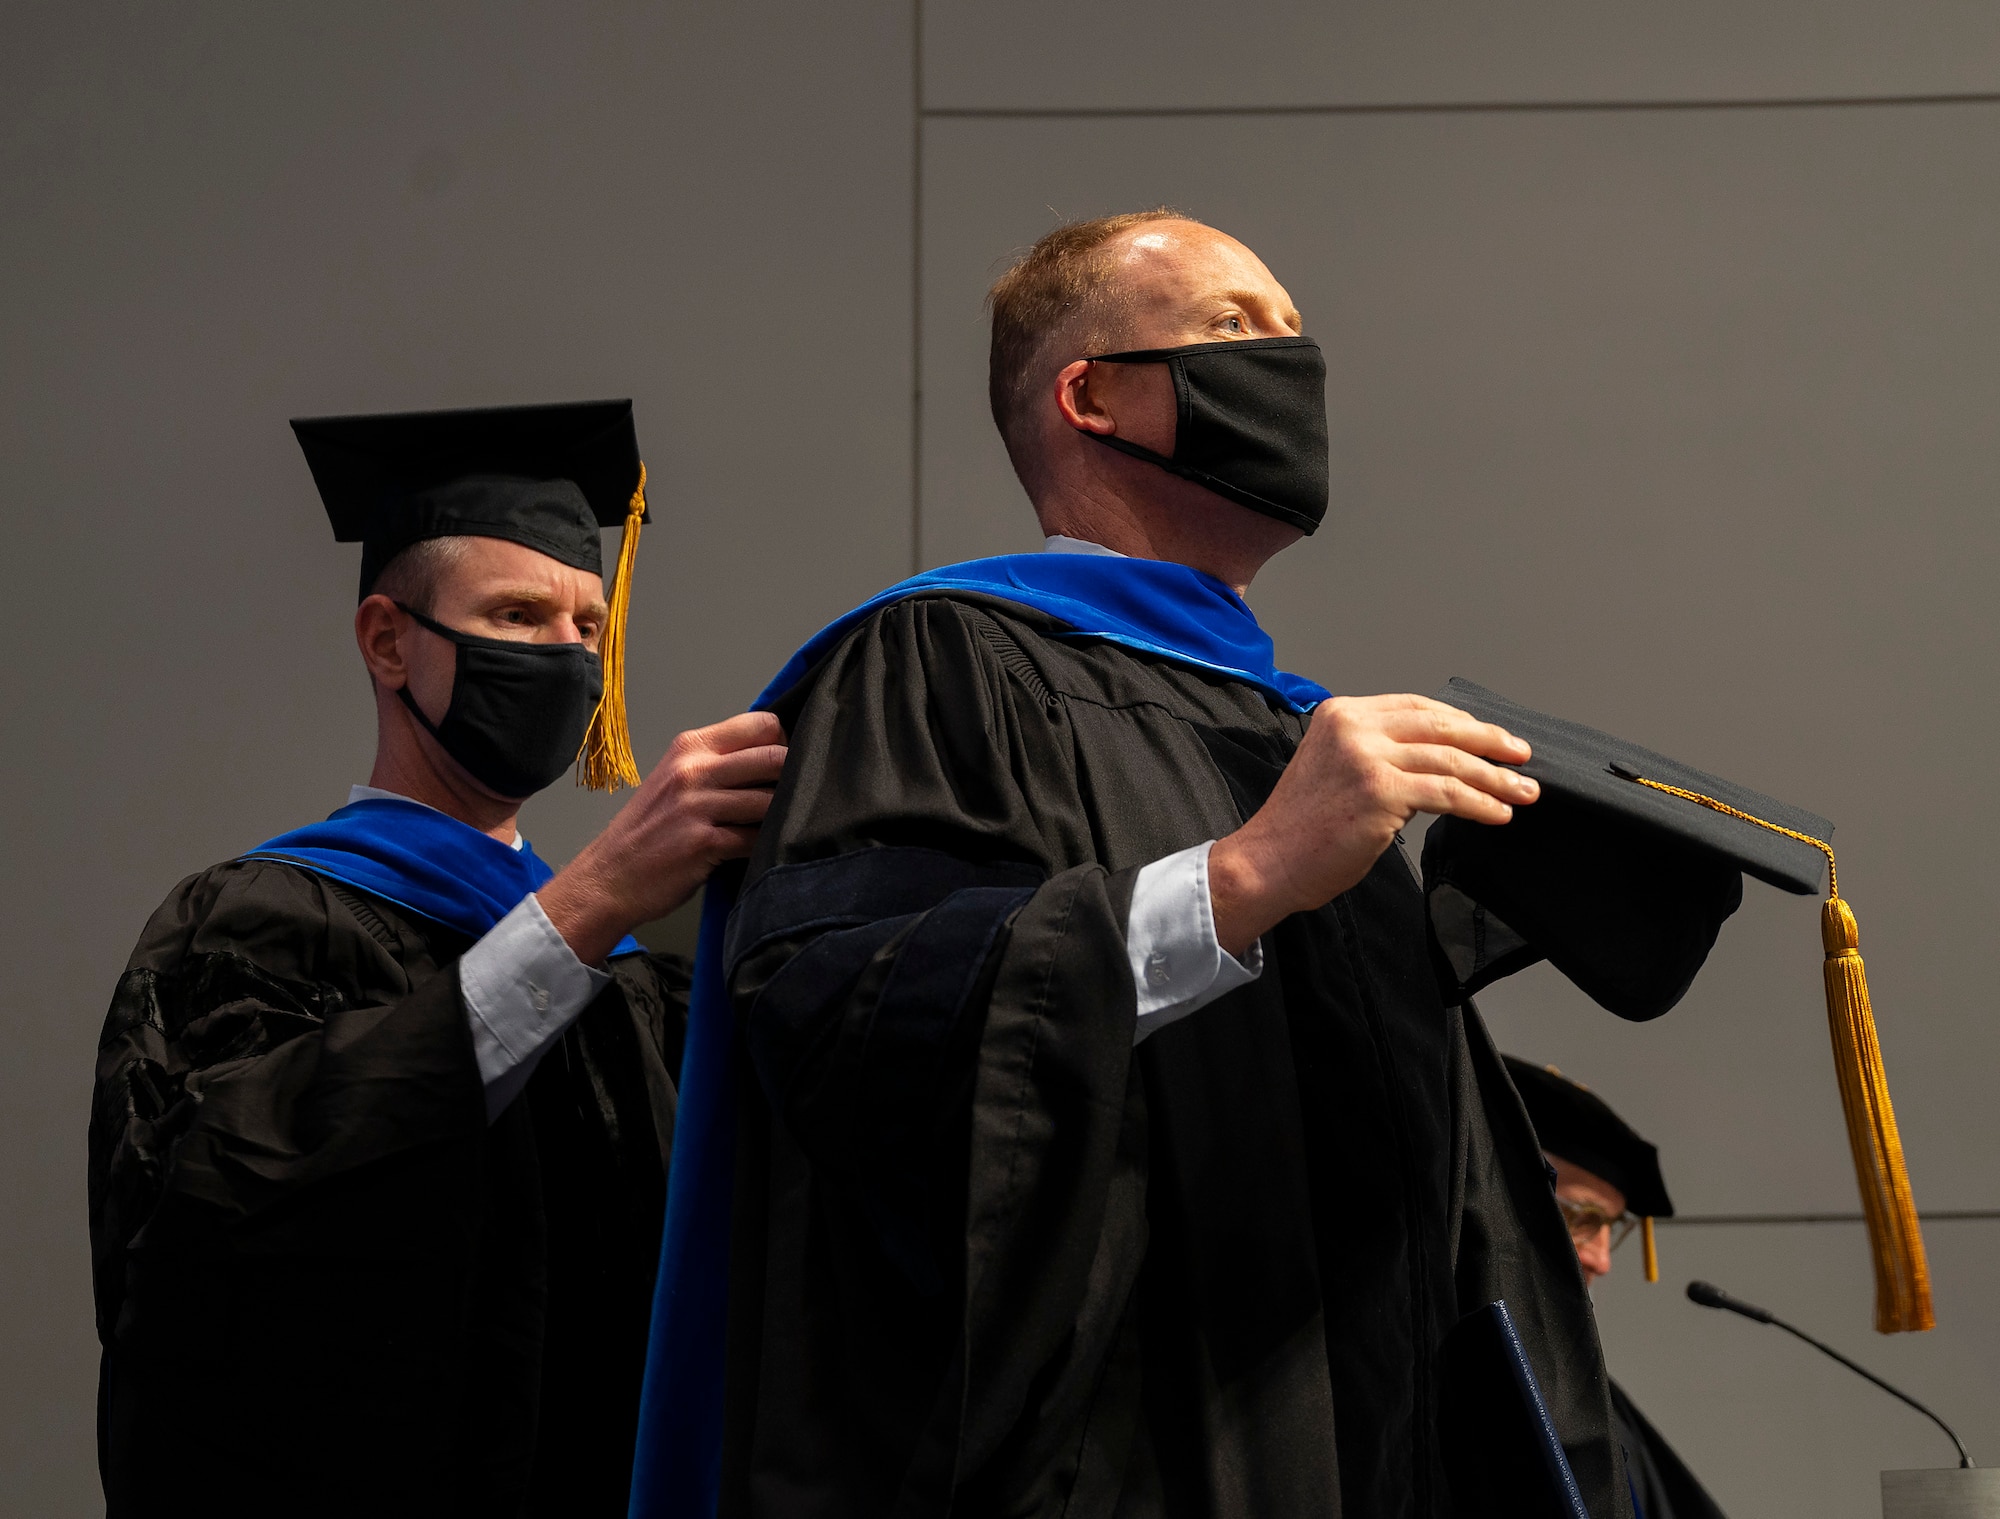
(929, 977)
(863, 981)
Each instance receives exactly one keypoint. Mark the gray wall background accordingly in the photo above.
(1665, 352)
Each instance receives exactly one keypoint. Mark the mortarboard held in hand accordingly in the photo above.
(1621, 876)
(547, 477)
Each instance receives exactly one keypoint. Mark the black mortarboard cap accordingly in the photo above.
(1621, 875)
(1623, 887)
(1575, 1123)
(547, 477)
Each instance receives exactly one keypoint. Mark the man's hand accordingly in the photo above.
(1367, 766)
(701, 805)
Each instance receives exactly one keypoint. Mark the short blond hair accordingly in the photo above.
(412, 578)
(1054, 305)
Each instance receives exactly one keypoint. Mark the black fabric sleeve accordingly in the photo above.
(268, 1041)
(935, 999)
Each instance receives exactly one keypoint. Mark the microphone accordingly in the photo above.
(1711, 1296)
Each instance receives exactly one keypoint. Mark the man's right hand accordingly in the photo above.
(701, 805)
(1367, 766)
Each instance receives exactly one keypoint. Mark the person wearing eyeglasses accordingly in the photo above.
(1608, 1185)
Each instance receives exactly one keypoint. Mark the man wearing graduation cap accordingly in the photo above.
(1608, 1184)
(1082, 1113)
(384, 1106)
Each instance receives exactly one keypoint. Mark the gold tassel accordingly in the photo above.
(605, 762)
(1651, 1248)
(1902, 1274)
(1895, 1239)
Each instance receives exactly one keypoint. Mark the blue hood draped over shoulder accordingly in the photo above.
(1158, 608)
(420, 859)
(1145, 604)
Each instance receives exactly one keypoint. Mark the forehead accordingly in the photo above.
(1185, 260)
(486, 564)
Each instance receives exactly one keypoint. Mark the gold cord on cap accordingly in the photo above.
(1651, 1248)
(1902, 1273)
(605, 762)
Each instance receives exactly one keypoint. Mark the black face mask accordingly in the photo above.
(1250, 422)
(518, 711)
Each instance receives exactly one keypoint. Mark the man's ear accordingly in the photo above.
(1080, 406)
(378, 628)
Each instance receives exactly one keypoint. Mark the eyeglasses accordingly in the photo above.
(1586, 1221)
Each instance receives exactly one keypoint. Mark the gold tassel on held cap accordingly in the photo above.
(1651, 1248)
(605, 762)
(1902, 1274)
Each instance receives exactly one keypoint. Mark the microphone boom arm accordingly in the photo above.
(1711, 1296)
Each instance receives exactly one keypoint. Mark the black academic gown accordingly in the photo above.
(988, 1258)
(325, 1284)
(1661, 1482)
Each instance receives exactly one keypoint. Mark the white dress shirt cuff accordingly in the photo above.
(1177, 964)
(523, 986)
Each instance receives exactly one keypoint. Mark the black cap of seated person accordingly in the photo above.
(1621, 876)
(1574, 1124)
(1250, 422)
(547, 477)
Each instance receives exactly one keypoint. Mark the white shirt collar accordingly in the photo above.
(1056, 543)
(377, 794)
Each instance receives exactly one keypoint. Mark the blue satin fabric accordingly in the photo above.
(420, 859)
(1150, 605)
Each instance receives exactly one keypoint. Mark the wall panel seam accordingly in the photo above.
(1942, 1216)
(917, 115)
(1451, 108)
